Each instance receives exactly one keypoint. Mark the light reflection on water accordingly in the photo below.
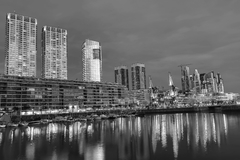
(1, 136)
(174, 136)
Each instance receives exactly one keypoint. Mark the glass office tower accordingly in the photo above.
(21, 45)
(92, 61)
(54, 53)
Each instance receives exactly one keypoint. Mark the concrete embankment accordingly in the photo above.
(74, 114)
(215, 108)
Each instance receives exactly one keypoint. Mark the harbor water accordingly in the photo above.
(165, 136)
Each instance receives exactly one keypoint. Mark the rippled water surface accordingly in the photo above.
(172, 136)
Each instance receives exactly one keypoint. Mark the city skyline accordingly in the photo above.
(206, 35)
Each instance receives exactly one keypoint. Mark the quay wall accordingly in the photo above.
(74, 114)
(215, 108)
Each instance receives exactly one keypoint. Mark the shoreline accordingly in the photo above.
(140, 112)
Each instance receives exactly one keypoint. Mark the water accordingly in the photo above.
(171, 136)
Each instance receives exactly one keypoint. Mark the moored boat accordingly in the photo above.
(3, 125)
(89, 118)
(12, 124)
(94, 116)
(45, 121)
(139, 115)
(34, 123)
(83, 120)
(103, 116)
(112, 116)
(23, 124)
(98, 118)
(59, 119)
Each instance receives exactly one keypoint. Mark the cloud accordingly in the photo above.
(162, 34)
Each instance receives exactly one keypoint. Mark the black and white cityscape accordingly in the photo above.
(124, 79)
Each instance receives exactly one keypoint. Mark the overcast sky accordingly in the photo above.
(162, 34)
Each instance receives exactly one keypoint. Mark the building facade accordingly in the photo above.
(54, 53)
(138, 71)
(43, 94)
(211, 83)
(92, 61)
(185, 78)
(140, 97)
(220, 86)
(121, 75)
(197, 82)
(20, 45)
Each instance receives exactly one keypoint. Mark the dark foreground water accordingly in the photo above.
(172, 136)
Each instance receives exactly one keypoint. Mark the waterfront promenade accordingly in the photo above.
(138, 112)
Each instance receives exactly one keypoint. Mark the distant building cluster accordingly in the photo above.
(201, 83)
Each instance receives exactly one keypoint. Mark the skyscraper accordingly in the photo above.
(54, 53)
(203, 83)
(92, 61)
(210, 82)
(121, 75)
(185, 79)
(138, 76)
(191, 82)
(220, 86)
(197, 82)
(21, 45)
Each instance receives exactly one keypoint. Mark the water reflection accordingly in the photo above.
(150, 137)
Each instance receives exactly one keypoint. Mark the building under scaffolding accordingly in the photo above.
(58, 94)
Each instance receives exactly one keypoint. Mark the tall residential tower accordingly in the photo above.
(121, 75)
(92, 61)
(54, 53)
(138, 76)
(21, 45)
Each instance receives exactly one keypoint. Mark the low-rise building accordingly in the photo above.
(58, 94)
(140, 97)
